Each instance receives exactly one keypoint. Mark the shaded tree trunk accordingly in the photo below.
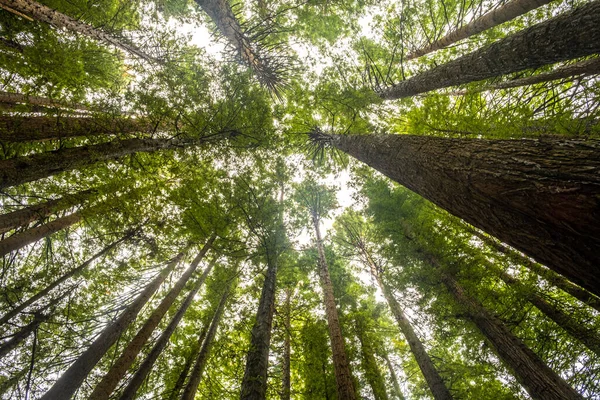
(23, 333)
(196, 375)
(539, 196)
(40, 128)
(75, 271)
(397, 390)
(66, 386)
(532, 373)
(369, 363)
(18, 98)
(118, 370)
(19, 170)
(568, 36)
(45, 14)
(178, 387)
(341, 366)
(286, 378)
(146, 366)
(504, 13)
(35, 212)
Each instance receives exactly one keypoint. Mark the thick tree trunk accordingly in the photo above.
(45, 14)
(75, 271)
(18, 98)
(66, 386)
(397, 390)
(36, 128)
(286, 377)
(532, 373)
(504, 13)
(32, 235)
(146, 366)
(587, 336)
(19, 170)
(341, 366)
(118, 370)
(196, 375)
(557, 280)
(540, 196)
(582, 68)
(35, 212)
(570, 35)
(369, 364)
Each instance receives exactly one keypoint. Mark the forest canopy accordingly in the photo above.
(299, 199)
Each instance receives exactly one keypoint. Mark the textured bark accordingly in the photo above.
(504, 13)
(582, 68)
(38, 211)
(118, 370)
(146, 366)
(369, 363)
(32, 235)
(532, 373)
(341, 366)
(36, 128)
(18, 98)
(74, 272)
(557, 280)
(397, 390)
(540, 196)
(19, 170)
(45, 14)
(587, 336)
(568, 36)
(196, 375)
(286, 378)
(66, 386)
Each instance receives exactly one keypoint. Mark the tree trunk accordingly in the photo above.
(174, 393)
(532, 373)
(196, 375)
(397, 390)
(75, 271)
(35, 212)
(579, 293)
(286, 378)
(582, 68)
(45, 14)
(118, 370)
(66, 386)
(23, 334)
(539, 196)
(504, 13)
(369, 363)
(17, 98)
(587, 336)
(19, 170)
(341, 366)
(570, 35)
(40, 128)
(146, 366)
(32, 235)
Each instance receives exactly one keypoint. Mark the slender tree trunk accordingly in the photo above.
(587, 336)
(73, 377)
(45, 14)
(196, 375)
(146, 366)
(32, 235)
(582, 68)
(397, 390)
(23, 334)
(18, 98)
(75, 271)
(532, 373)
(341, 366)
(568, 36)
(557, 280)
(539, 196)
(504, 13)
(40, 128)
(178, 387)
(35, 212)
(286, 379)
(19, 170)
(118, 370)
(369, 363)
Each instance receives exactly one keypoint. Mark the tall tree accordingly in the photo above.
(570, 35)
(539, 196)
(18, 98)
(286, 378)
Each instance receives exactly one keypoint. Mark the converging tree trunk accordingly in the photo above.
(66, 386)
(568, 36)
(39, 211)
(185, 371)
(40, 128)
(397, 390)
(371, 369)
(18, 98)
(532, 373)
(286, 377)
(45, 14)
(538, 195)
(196, 374)
(118, 370)
(504, 13)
